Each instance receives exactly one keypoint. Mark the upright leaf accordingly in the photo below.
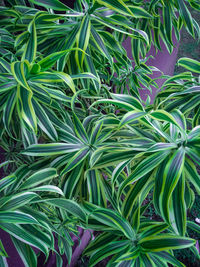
(31, 45)
(83, 39)
(172, 173)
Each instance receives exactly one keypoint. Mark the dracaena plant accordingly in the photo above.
(29, 87)
(99, 28)
(32, 213)
(138, 241)
(81, 148)
(183, 89)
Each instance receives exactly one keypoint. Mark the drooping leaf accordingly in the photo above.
(189, 64)
(26, 253)
(51, 149)
(69, 205)
(39, 177)
(165, 242)
(16, 217)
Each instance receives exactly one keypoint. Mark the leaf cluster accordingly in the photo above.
(81, 147)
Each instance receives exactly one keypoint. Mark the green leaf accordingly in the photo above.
(58, 95)
(16, 217)
(8, 180)
(5, 163)
(26, 253)
(8, 109)
(186, 16)
(161, 146)
(110, 159)
(16, 201)
(3, 261)
(193, 154)
(72, 181)
(189, 64)
(178, 215)
(167, 22)
(135, 45)
(48, 188)
(76, 160)
(167, 257)
(67, 45)
(144, 167)
(25, 107)
(131, 117)
(182, 76)
(39, 177)
(121, 104)
(21, 38)
(192, 174)
(100, 44)
(164, 116)
(111, 41)
(128, 99)
(51, 149)
(107, 250)
(95, 133)
(153, 230)
(6, 66)
(31, 45)
(20, 71)
(114, 220)
(134, 193)
(47, 62)
(67, 249)
(139, 12)
(117, 5)
(4, 87)
(54, 4)
(165, 242)
(158, 184)
(145, 259)
(69, 205)
(180, 119)
(43, 121)
(195, 227)
(80, 130)
(47, 77)
(3, 252)
(118, 170)
(84, 75)
(98, 242)
(82, 39)
(172, 173)
(96, 189)
(129, 255)
(194, 134)
(29, 237)
(67, 79)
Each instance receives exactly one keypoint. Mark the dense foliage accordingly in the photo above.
(81, 147)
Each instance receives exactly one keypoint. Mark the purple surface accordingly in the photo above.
(86, 236)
